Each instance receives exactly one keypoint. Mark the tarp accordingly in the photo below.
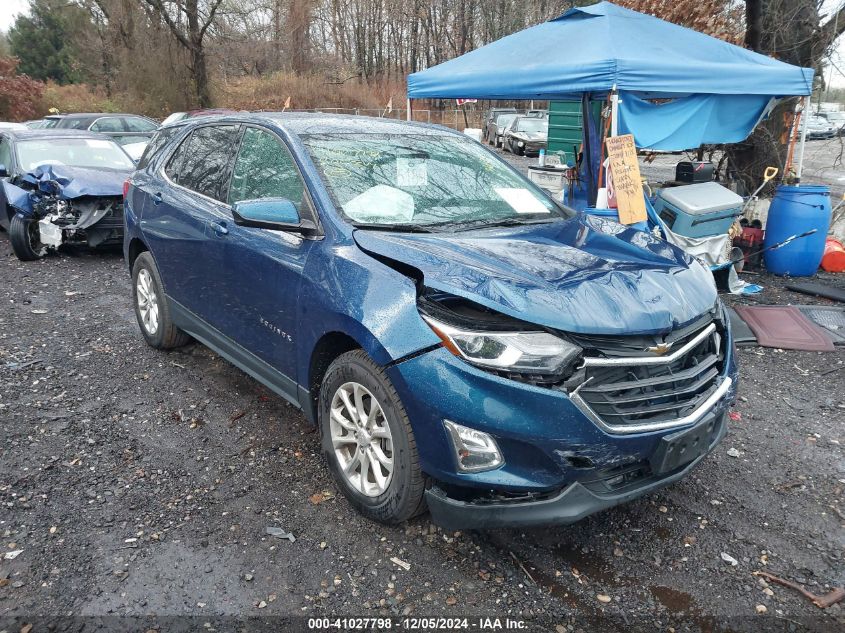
(691, 121)
(591, 49)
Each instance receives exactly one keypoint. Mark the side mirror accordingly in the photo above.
(4, 173)
(279, 214)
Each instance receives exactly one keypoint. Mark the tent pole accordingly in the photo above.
(614, 112)
(408, 110)
(804, 116)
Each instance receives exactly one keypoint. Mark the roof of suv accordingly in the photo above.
(306, 123)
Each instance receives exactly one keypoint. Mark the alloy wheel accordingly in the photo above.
(147, 301)
(361, 439)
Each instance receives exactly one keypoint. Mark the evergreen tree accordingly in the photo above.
(43, 40)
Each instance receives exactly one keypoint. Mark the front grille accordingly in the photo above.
(626, 388)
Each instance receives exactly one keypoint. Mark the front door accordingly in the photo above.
(263, 277)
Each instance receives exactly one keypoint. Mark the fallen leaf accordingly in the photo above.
(603, 598)
(26, 628)
(318, 497)
(451, 601)
(13, 554)
(735, 416)
(761, 608)
(262, 604)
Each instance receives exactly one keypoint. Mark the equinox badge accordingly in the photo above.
(660, 349)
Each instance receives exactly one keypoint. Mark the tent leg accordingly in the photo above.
(805, 115)
(614, 112)
(410, 116)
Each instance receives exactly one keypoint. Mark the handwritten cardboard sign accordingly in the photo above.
(623, 179)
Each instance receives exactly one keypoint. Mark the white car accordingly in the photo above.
(837, 120)
(8, 125)
(818, 127)
(135, 150)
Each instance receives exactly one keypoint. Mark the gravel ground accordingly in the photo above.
(140, 483)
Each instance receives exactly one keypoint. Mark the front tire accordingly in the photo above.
(151, 307)
(26, 239)
(368, 441)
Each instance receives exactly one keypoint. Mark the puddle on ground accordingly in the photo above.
(662, 532)
(589, 564)
(675, 601)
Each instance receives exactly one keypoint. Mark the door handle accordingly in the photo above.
(157, 199)
(220, 228)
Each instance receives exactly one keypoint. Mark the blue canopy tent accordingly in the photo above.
(717, 92)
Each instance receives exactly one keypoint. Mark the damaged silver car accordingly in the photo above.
(61, 187)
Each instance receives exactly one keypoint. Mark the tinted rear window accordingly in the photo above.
(207, 156)
(158, 141)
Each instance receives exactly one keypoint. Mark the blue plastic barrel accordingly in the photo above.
(796, 210)
(613, 214)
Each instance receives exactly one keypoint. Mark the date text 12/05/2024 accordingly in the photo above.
(477, 623)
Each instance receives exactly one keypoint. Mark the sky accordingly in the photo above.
(9, 9)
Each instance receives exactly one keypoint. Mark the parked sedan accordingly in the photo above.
(818, 128)
(461, 340)
(836, 120)
(61, 187)
(490, 117)
(526, 135)
(496, 129)
(123, 128)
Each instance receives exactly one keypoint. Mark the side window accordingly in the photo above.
(265, 169)
(158, 141)
(174, 164)
(207, 157)
(137, 124)
(109, 124)
(5, 154)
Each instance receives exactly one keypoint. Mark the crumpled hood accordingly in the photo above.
(586, 275)
(76, 182)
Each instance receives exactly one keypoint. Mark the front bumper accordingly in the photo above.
(572, 504)
(558, 461)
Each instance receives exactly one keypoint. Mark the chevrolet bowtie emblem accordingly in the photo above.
(660, 349)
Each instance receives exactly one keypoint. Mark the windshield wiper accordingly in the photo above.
(475, 224)
(396, 228)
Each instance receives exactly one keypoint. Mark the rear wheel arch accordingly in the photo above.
(136, 247)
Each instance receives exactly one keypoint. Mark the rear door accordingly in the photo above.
(184, 200)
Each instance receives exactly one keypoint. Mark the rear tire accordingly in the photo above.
(151, 307)
(385, 440)
(25, 239)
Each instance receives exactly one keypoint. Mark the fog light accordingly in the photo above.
(521, 144)
(475, 450)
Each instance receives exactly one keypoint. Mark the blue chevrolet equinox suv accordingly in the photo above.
(462, 342)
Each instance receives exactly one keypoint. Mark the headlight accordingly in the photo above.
(521, 143)
(519, 352)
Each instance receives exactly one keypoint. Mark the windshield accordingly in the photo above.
(531, 125)
(75, 152)
(426, 181)
(504, 120)
(835, 116)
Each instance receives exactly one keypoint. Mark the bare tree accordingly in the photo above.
(191, 35)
